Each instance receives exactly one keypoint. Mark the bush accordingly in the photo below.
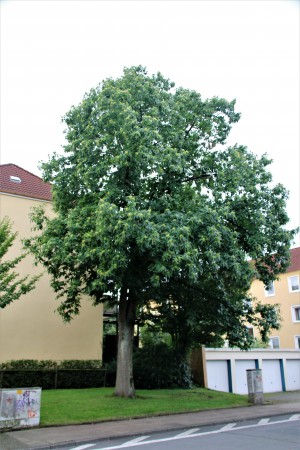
(80, 378)
(149, 336)
(13, 378)
(111, 373)
(29, 364)
(50, 374)
(157, 366)
(80, 364)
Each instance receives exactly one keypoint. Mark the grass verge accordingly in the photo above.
(73, 406)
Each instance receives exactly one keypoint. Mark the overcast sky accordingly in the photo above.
(52, 52)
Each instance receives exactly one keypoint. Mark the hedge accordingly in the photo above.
(155, 366)
(159, 366)
(48, 374)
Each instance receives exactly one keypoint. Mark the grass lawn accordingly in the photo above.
(71, 406)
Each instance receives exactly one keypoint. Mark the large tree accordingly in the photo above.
(147, 193)
(12, 286)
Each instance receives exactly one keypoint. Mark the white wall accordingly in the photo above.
(226, 369)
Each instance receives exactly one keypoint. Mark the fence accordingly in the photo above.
(225, 369)
(56, 378)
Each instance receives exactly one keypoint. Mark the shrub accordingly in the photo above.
(29, 364)
(158, 366)
(50, 374)
(111, 372)
(80, 364)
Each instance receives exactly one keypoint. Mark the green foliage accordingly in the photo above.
(29, 364)
(50, 374)
(267, 319)
(258, 343)
(205, 315)
(157, 366)
(109, 328)
(80, 364)
(150, 205)
(111, 371)
(13, 378)
(150, 335)
(80, 378)
(12, 287)
(128, 213)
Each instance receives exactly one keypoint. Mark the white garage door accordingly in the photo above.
(241, 367)
(292, 376)
(271, 375)
(217, 375)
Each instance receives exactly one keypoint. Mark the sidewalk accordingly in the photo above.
(53, 437)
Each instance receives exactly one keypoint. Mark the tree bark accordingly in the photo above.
(127, 314)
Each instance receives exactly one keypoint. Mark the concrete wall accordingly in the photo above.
(30, 328)
(225, 369)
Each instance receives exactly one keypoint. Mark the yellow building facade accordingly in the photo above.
(30, 328)
(286, 293)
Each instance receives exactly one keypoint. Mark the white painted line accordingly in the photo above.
(174, 438)
(263, 421)
(82, 447)
(134, 441)
(227, 427)
(295, 417)
(188, 432)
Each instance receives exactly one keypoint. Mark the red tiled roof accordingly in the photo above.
(17, 181)
(295, 260)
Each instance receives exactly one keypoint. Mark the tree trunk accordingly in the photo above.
(127, 314)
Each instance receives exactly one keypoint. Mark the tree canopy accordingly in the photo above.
(12, 287)
(150, 203)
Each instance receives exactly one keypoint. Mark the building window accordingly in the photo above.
(270, 290)
(15, 179)
(250, 331)
(274, 342)
(297, 341)
(294, 284)
(296, 313)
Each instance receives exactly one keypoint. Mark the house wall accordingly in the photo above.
(289, 327)
(29, 327)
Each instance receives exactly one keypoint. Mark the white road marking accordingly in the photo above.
(187, 433)
(206, 433)
(295, 417)
(135, 441)
(228, 427)
(82, 447)
(263, 421)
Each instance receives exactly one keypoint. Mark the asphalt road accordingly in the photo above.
(276, 433)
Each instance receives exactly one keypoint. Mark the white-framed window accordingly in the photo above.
(296, 313)
(274, 342)
(294, 283)
(297, 341)
(270, 290)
